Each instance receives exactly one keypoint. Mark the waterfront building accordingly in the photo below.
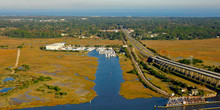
(55, 46)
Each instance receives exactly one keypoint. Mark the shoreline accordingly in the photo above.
(67, 101)
(72, 98)
(132, 88)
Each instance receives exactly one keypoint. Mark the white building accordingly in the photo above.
(116, 30)
(130, 30)
(82, 37)
(125, 45)
(63, 34)
(55, 46)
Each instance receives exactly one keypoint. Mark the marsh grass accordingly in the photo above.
(41, 62)
(132, 88)
(207, 50)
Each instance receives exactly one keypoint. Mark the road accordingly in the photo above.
(17, 61)
(191, 68)
(177, 64)
(140, 47)
(140, 73)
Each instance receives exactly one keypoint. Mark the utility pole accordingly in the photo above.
(191, 59)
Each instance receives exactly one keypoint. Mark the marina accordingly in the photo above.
(108, 52)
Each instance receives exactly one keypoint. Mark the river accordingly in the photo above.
(108, 80)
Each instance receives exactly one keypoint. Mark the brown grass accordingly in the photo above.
(7, 56)
(65, 66)
(132, 88)
(158, 82)
(14, 42)
(207, 50)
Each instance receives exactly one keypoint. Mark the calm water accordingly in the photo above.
(116, 12)
(108, 80)
(8, 79)
(6, 89)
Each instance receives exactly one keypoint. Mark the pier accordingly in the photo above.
(109, 52)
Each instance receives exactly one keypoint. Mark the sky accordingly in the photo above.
(109, 4)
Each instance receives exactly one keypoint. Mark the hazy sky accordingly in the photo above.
(107, 4)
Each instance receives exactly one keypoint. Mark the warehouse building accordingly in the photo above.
(55, 46)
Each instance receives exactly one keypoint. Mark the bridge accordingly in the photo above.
(189, 71)
(206, 76)
(174, 101)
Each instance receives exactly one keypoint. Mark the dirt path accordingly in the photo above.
(17, 60)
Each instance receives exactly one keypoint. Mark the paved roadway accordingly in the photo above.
(132, 41)
(191, 67)
(177, 64)
(142, 75)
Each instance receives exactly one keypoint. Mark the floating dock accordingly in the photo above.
(109, 52)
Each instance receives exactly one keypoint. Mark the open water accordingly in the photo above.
(108, 80)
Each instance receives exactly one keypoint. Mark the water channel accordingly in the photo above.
(108, 80)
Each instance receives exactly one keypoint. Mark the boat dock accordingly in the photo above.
(109, 52)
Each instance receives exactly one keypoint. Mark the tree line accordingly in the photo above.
(145, 28)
